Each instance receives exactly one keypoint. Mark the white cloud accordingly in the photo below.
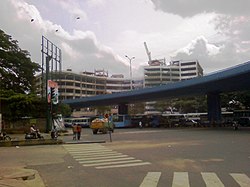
(189, 8)
(216, 35)
(80, 50)
(73, 8)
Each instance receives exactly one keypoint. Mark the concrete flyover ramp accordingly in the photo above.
(235, 78)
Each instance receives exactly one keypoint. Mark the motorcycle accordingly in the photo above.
(54, 134)
(235, 125)
(36, 135)
(4, 136)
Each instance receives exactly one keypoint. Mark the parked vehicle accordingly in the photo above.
(36, 135)
(83, 121)
(121, 121)
(101, 125)
(5, 137)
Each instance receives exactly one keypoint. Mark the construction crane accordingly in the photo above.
(148, 53)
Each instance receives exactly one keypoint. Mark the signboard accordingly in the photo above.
(52, 92)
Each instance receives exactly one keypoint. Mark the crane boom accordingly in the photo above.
(148, 53)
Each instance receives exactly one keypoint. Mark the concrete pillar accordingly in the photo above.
(122, 108)
(214, 108)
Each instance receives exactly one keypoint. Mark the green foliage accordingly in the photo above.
(103, 109)
(17, 78)
(16, 68)
(236, 100)
(137, 108)
(64, 109)
(19, 105)
(183, 105)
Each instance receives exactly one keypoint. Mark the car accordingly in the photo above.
(244, 121)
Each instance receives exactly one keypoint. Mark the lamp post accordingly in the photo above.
(130, 59)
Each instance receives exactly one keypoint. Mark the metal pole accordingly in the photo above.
(130, 60)
(46, 91)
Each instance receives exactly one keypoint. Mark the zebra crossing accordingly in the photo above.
(181, 179)
(100, 157)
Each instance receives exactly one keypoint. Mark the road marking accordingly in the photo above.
(151, 179)
(123, 165)
(211, 179)
(105, 160)
(180, 179)
(101, 157)
(110, 163)
(87, 152)
(242, 179)
(96, 155)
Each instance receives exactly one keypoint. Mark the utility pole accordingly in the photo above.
(130, 59)
(48, 121)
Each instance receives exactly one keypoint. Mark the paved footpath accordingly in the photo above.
(13, 172)
(20, 177)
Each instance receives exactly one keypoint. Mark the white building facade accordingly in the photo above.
(158, 73)
(73, 85)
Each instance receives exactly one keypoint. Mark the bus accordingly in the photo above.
(121, 120)
(67, 122)
(83, 121)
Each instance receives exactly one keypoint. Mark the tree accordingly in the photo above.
(16, 106)
(17, 71)
(236, 100)
(64, 109)
(17, 82)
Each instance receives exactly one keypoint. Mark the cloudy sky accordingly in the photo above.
(215, 32)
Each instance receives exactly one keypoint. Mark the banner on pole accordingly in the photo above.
(52, 92)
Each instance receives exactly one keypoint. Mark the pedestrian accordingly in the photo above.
(74, 129)
(140, 124)
(79, 129)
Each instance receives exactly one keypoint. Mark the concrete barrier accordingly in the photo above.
(29, 142)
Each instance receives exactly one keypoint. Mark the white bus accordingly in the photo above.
(84, 121)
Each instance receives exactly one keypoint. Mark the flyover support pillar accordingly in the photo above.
(214, 108)
(122, 108)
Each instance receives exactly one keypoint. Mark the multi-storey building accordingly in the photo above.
(158, 73)
(73, 85)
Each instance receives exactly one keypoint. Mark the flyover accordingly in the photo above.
(236, 78)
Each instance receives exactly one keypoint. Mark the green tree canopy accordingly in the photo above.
(17, 71)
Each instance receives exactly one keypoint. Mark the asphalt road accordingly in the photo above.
(193, 157)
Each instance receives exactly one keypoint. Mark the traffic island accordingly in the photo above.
(29, 142)
(20, 177)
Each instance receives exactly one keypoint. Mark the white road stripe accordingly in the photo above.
(81, 149)
(123, 165)
(242, 179)
(101, 157)
(211, 179)
(110, 163)
(93, 151)
(105, 160)
(180, 179)
(86, 148)
(96, 155)
(151, 179)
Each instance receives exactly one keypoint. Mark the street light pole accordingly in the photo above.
(130, 60)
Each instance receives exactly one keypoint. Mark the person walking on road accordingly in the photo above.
(74, 128)
(79, 129)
